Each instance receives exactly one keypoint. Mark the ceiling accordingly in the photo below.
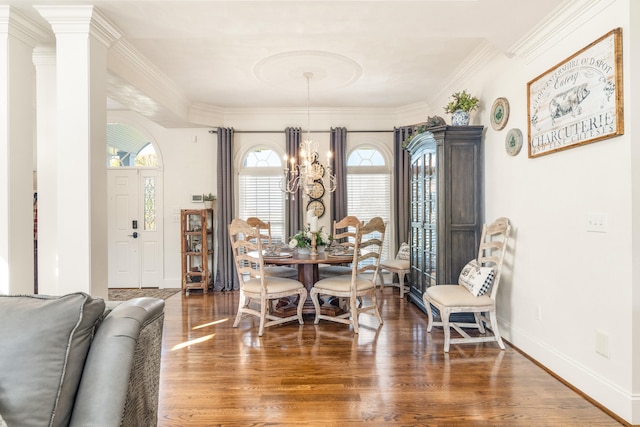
(253, 54)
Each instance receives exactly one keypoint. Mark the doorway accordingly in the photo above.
(135, 214)
(135, 228)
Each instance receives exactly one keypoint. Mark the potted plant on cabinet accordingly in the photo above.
(459, 107)
(208, 200)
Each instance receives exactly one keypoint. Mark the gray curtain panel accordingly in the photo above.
(226, 278)
(338, 146)
(293, 208)
(402, 176)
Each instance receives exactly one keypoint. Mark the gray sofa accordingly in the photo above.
(75, 360)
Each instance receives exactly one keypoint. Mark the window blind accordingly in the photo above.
(260, 196)
(368, 197)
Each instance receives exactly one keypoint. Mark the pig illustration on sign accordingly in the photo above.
(568, 102)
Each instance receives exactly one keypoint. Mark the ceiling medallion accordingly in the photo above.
(330, 70)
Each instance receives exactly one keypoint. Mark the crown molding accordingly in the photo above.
(124, 56)
(129, 65)
(205, 114)
(479, 58)
(564, 20)
(17, 25)
(80, 19)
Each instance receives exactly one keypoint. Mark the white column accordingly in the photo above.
(18, 36)
(83, 35)
(44, 59)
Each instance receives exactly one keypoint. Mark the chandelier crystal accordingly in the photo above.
(309, 170)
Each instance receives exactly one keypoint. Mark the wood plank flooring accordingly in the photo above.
(323, 375)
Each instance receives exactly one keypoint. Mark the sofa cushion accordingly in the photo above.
(475, 278)
(43, 346)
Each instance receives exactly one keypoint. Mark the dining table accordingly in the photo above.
(308, 274)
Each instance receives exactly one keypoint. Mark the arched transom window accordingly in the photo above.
(128, 147)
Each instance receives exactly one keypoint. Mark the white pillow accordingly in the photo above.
(403, 252)
(475, 278)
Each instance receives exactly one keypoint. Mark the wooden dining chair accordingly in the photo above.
(362, 280)
(470, 295)
(344, 234)
(399, 265)
(264, 229)
(255, 285)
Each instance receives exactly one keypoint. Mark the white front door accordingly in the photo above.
(135, 228)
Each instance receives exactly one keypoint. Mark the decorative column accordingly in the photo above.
(83, 36)
(18, 36)
(44, 59)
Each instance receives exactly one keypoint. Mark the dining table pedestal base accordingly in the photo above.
(308, 274)
(286, 308)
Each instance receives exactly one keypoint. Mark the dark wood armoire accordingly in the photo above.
(446, 205)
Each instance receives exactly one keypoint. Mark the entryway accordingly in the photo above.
(135, 213)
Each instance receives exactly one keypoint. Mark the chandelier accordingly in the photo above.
(308, 175)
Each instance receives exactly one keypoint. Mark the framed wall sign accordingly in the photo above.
(578, 101)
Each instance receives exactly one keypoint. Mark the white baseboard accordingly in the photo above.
(609, 395)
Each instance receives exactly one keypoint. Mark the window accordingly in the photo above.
(128, 147)
(259, 190)
(149, 203)
(368, 188)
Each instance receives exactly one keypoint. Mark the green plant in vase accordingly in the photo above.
(459, 106)
(208, 200)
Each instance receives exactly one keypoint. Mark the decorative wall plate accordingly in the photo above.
(513, 142)
(499, 113)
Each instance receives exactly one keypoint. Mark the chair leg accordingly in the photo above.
(380, 280)
(301, 298)
(401, 283)
(316, 305)
(374, 299)
(429, 315)
(241, 304)
(354, 313)
(478, 318)
(263, 316)
(444, 315)
(494, 328)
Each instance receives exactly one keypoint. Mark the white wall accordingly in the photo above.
(564, 284)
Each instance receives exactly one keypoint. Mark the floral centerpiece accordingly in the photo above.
(323, 238)
(302, 239)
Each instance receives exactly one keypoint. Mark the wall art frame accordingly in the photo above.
(499, 113)
(578, 101)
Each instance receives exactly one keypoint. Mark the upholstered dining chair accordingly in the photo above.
(264, 228)
(399, 265)
(343, 233)
(475, 292)
(255, 285)
(362, 280)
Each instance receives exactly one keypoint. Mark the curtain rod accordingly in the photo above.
(313, 131)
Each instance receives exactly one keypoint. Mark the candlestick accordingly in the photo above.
(314, 250)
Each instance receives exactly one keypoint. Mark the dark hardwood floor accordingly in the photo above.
(323, 375)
